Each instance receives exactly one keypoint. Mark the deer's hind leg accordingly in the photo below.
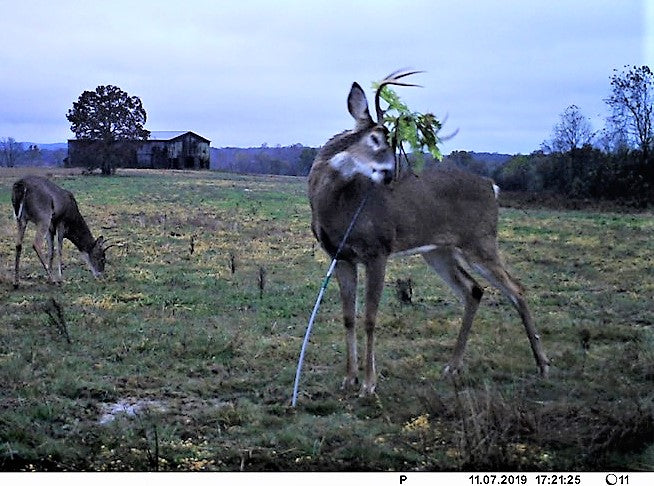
(444, 262)
(43, 232)
(21, 225)
(493, 270)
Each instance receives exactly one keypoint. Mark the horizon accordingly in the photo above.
(41, 145)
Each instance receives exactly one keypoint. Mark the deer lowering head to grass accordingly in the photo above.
(55, 213)
(446, 215)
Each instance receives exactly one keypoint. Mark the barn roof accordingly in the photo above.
(171, 135)
(162, 136)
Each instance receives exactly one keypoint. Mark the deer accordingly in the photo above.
(56, 215)
(444, 214)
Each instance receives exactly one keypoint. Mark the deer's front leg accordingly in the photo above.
(375, 271)
(59, 244)
(51, 255)
(346, 274)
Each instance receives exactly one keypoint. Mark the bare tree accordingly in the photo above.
(33, 155)
(573, 131)
(10, 151)
(614, 137)
(631, 105)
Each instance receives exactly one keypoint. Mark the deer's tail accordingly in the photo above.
(18, 198)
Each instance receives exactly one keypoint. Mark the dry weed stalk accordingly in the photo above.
(56, 318)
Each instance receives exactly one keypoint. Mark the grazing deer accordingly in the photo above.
(55, 213)
(446, 215)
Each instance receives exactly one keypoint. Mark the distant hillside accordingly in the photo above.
(491, 158)
(483, 163)
(297, 160)
(291, 160)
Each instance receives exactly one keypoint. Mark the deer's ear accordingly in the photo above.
(357, 105)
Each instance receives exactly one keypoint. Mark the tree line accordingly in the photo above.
(585, 172)
(17, 154)
(616, 162)
(294, 160)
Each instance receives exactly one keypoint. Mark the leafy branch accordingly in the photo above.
(418, 130)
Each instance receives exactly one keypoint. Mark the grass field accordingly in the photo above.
(183, 357)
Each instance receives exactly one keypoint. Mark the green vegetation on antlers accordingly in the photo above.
(418, 130)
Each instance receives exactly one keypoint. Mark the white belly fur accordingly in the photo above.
(415, 251)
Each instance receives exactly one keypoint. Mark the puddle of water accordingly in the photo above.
(129, 408)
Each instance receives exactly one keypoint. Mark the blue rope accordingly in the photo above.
(316, 306)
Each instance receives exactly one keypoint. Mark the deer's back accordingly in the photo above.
(448, 189)
(444, 205)
(42, 197)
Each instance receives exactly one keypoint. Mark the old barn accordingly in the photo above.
(174, 150)
(162, 150)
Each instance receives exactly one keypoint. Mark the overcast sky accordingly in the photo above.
(243, 73)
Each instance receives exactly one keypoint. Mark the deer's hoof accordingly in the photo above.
(349, 382)
(545, 370)
(450, 371)
(367, 390)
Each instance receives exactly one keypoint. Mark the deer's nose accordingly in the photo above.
(388, 176)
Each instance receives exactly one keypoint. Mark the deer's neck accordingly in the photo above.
(78, 232)
(334, 204)
(336, 200)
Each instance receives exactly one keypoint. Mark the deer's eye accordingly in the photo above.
(376, 141)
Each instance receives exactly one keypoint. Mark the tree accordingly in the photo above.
(466, 161)
(631, 105)
(106, 118)
(10, 151)
(573, 131)
(517, 174)
(305, 161)
(614, 138)
(33, 155)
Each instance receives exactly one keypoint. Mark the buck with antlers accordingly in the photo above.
(446, 215)
(55, 213)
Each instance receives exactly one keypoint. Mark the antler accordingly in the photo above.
(394, 79)
(109, 244)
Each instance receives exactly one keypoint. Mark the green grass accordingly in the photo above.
(211, 359)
